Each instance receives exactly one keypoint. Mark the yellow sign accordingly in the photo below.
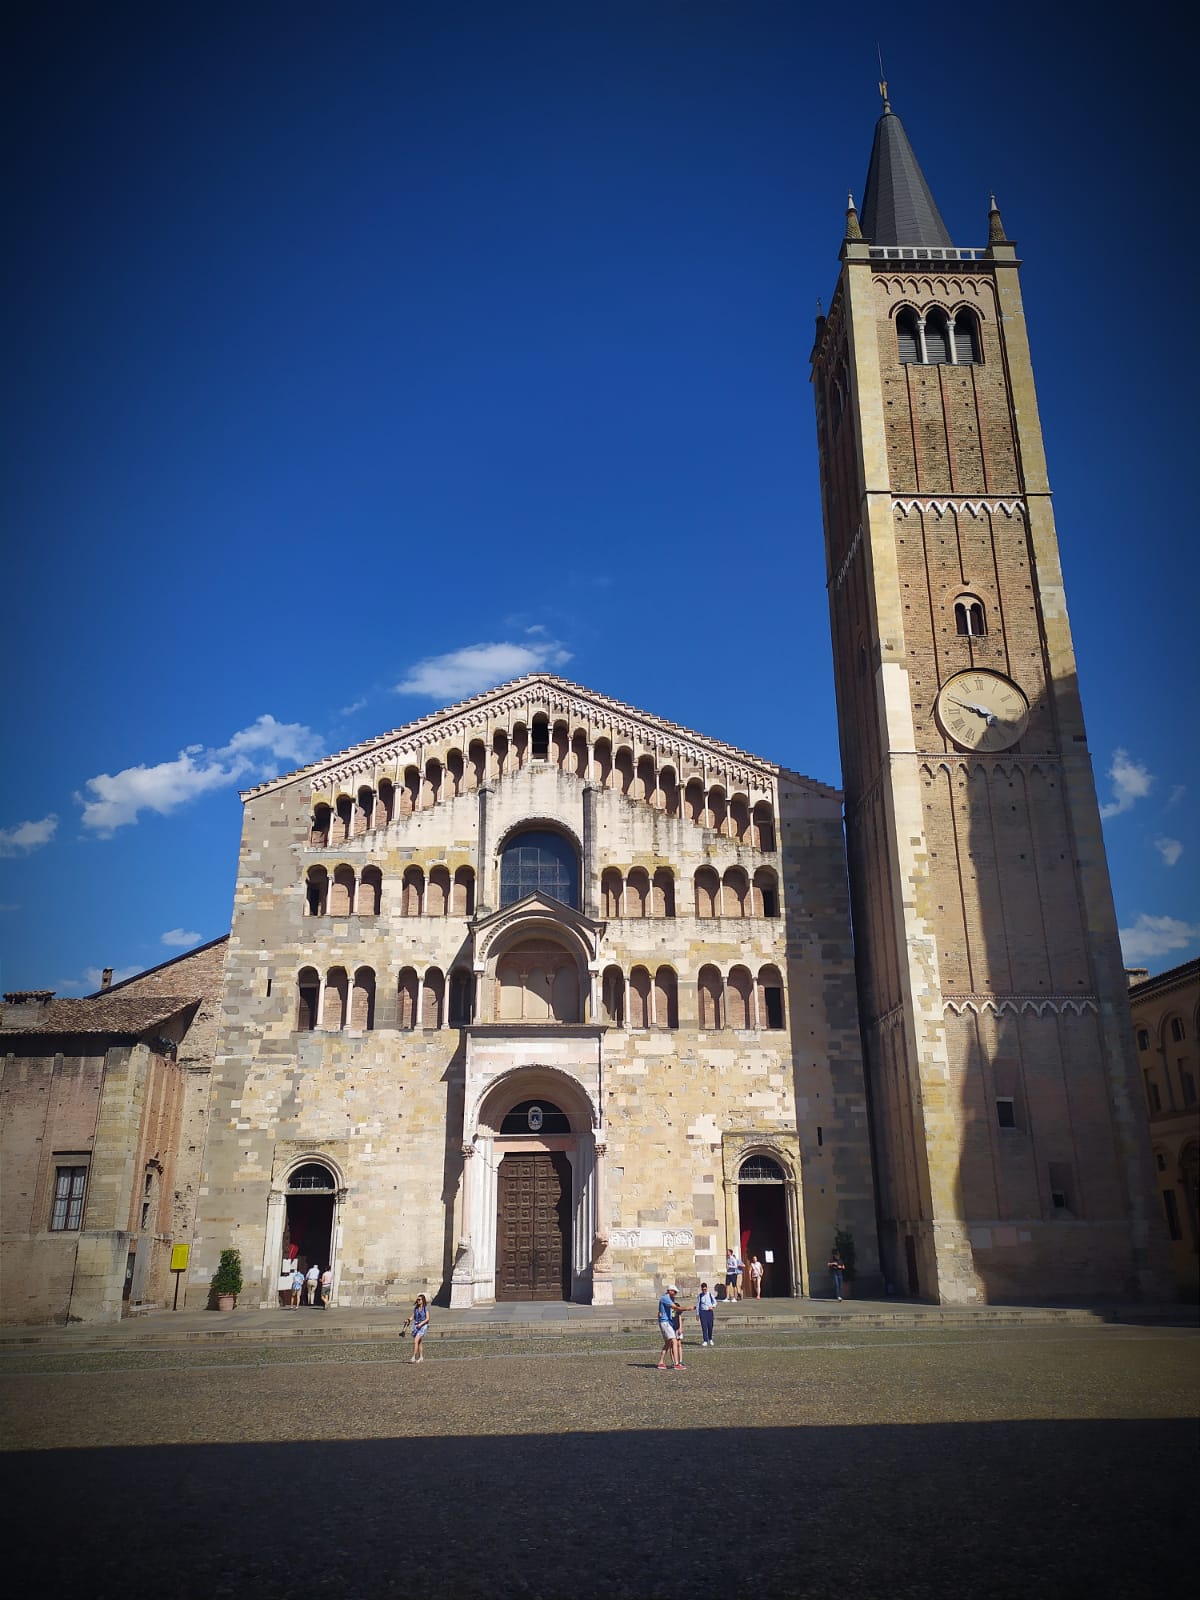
(179, 1257)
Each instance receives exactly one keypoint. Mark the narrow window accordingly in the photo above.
(540, 744)
(773, 996)
(937, 338)
(1187, 1082)
(69, 1186)
(1060, 1186)
(1171, 1209)
(309, 996)
(906, 337)
(1177, 1030)
(462, 988)
(966, 339)
(1153, 1097)
(1006, 1112)
(1143, 1039)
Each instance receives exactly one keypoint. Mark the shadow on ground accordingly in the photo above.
(1071, 1510)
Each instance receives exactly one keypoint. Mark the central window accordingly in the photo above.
(539, 862)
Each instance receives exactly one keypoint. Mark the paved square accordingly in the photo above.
(1013, 1463)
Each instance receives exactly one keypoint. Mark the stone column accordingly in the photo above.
(462, 1278)
(602, 1284)
(589, 851)
(482, 864)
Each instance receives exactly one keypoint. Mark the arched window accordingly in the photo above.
(760, 1169)
(739, 818)
(387, 803)
(499, 753)
(708, 892)
(539, 747)
(370, 892)
(312, 1178)
(610, 893)
(476, 764)
(412, 892)
(666, 998)
(907, 345)
(536, 1117)
(734, 893)
(712, 1000)
(364, 811)
(539, 862)
(646, 785)
(341, 895)
(406, 999)
(765, 893)
(639, 998)
(462, 895)
(410, 795)
(770, 998)
(637, 893)
(520, 746)
(602, 758)
(764, 826)
(316, 892)
(437, 895)
(308, 986)
(663, 893)
(718, 809)
(738, 998)
(966, 338)
(561, 745)
(668, 787)
(624, 766)
(433, 989)
(431, 789)
(937, 337)
(1178, 1031)
(341, 821)
(579, 753)
(362, 1001)
(455, 773)
(693, 802)
(318, 834)
(969, 618)
(337, 999)
(462, 993)
(613, 996)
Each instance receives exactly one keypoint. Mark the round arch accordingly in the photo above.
(303, 1219)
(767, 1220)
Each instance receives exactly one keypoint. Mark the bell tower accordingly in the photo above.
(1010, 1155)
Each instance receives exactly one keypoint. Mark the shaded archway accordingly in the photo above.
(764, 1222)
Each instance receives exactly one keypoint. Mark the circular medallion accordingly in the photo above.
(535, 1119)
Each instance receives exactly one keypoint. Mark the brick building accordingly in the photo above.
(103, 1108)
(1166, 1027)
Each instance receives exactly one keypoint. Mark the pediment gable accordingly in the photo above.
(572, 712)
(532, 912)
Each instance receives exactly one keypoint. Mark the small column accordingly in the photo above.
(602, 1284)
(921, 341)
(589, 851)
(462, 1278)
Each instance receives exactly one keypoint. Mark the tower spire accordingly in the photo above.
(898, 207)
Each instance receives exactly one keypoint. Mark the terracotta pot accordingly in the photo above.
(226, 1302)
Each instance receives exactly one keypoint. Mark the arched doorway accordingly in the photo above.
(533, 1206)
(309, 1197)
(763, 1225)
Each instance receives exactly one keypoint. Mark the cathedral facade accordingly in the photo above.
(540, 997)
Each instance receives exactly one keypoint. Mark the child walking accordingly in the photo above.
(420, 1325)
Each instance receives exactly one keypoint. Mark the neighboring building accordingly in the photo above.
(538, 997)
(1166, 1027)
(1011, 1156)
(103, 1108)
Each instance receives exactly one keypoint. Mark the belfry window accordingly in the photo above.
(937, 338)
(907, 344)
(539, 862)
(969, 618)
(966, 339)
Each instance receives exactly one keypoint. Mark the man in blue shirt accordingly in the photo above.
(669, 1316)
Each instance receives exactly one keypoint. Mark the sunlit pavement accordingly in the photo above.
(1044, 1460)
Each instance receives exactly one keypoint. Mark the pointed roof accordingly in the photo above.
(898, 207)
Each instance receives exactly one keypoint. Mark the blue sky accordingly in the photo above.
(363, 356)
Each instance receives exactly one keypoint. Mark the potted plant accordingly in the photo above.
(843, 1246)
(227, 1280)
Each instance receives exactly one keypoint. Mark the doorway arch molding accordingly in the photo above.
(783, 1149)
(290, 1156)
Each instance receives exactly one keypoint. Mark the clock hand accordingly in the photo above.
(980, 711)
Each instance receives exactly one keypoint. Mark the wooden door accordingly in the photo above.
(533, 1232)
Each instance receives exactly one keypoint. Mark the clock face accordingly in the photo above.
(982, 711)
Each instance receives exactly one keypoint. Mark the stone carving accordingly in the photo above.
(652, 1238)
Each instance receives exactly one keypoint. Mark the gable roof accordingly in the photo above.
(555, 694)
(898, 207)
(123, 1016)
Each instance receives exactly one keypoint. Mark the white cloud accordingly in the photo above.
(117, 799)
(1169, 849)
(181, 937)
(93, 977)
(348, 711)
(1176, 795)
(1156, 936)
(464, 672)
(27, 836)
(1131, 782)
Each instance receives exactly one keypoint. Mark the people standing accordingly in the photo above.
(838, 1268)
(705, 1306)
(669, 1326)
(297, 1287)
(326, 1286)
(733, 1271)
(756, 1277)
(420, 1326)
(311, 1279)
